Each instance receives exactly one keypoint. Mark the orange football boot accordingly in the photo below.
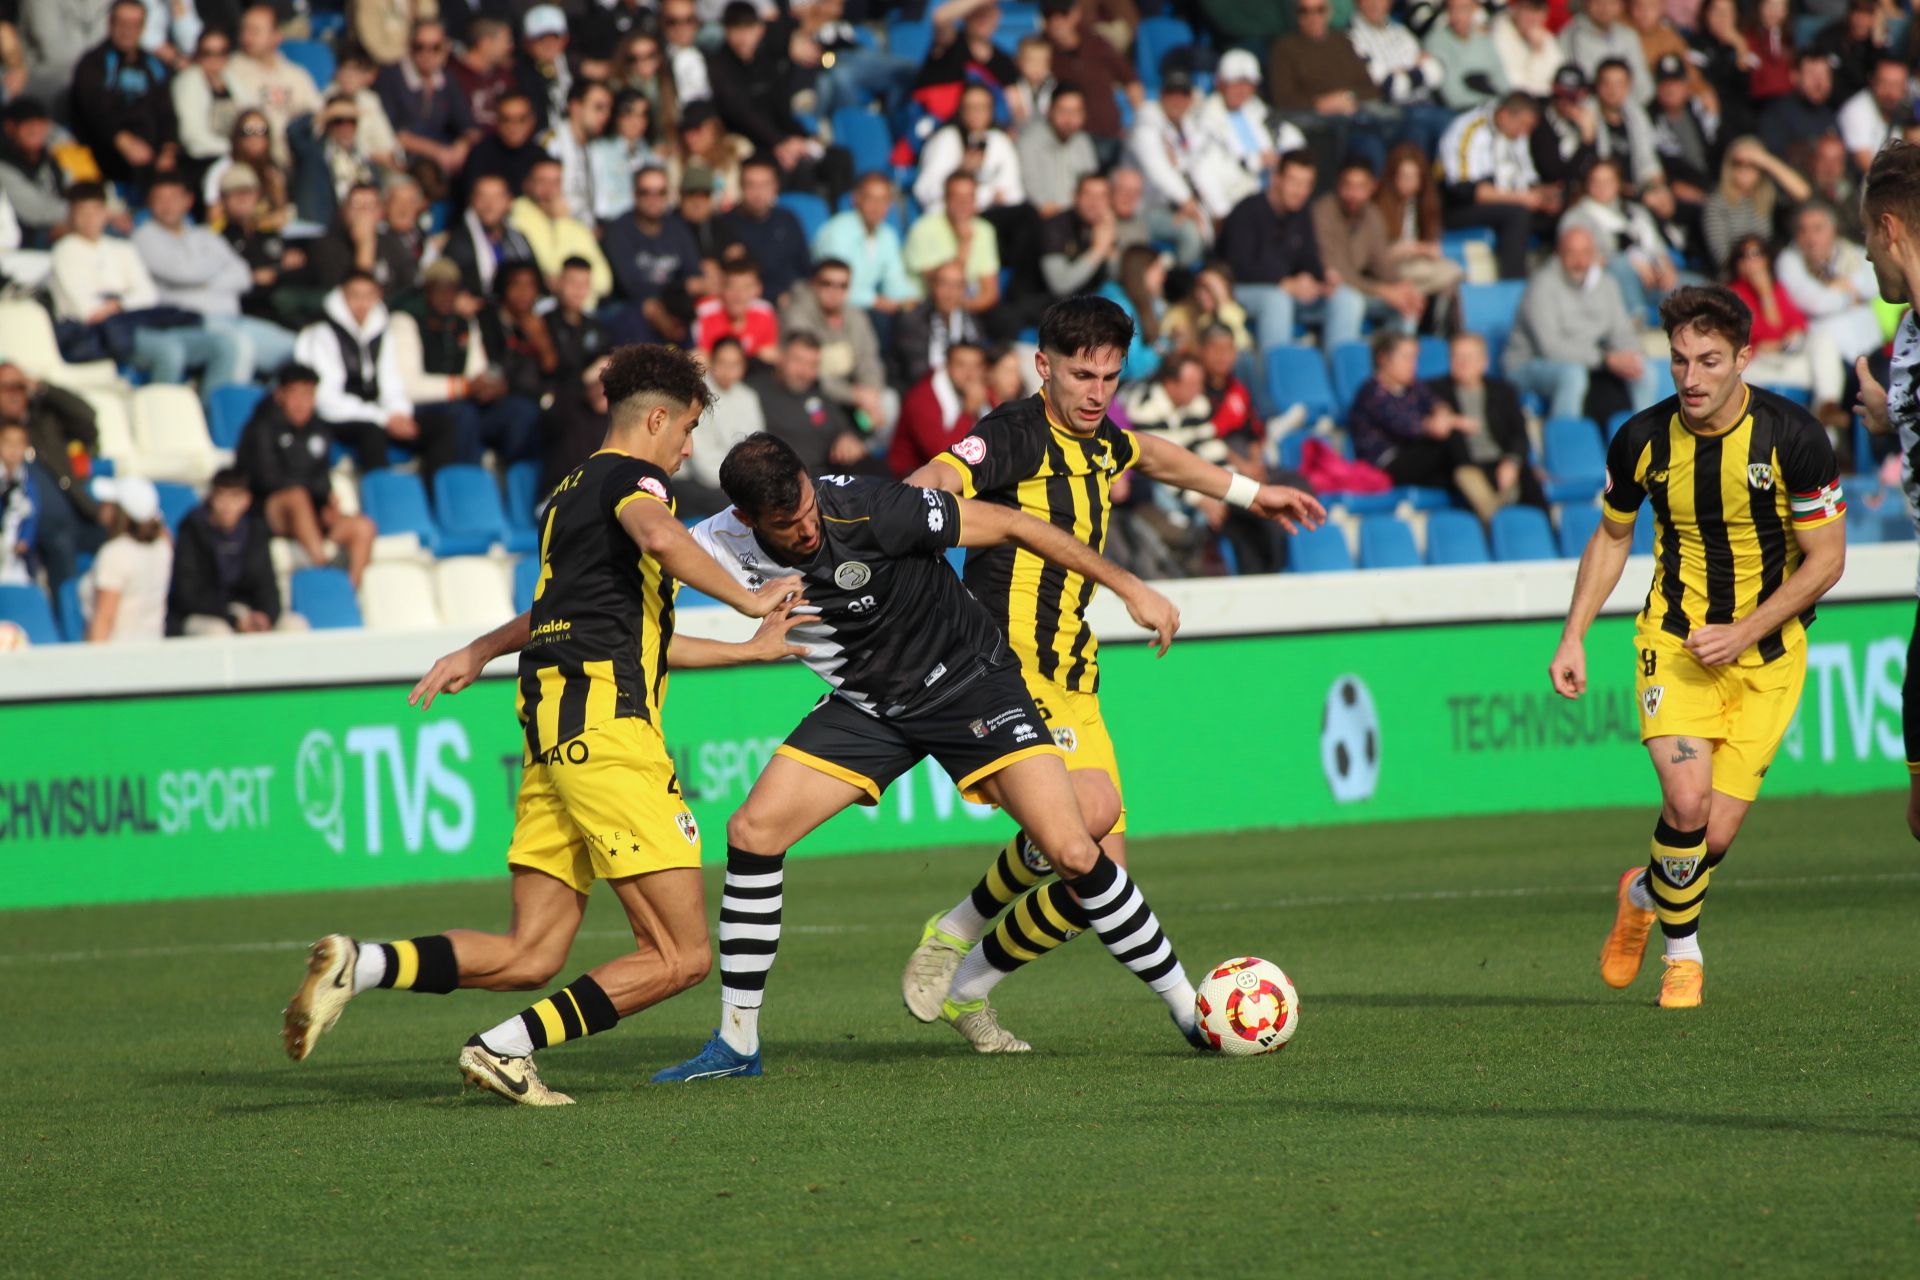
(1681, 985)
(1626, 943)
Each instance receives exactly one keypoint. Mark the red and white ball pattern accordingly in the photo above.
(1247, 1006)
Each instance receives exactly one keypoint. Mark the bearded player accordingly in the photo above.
(1749, 531)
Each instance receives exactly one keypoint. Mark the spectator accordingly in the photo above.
(266, 79)
(1563, 142)
(1771, 42)
(511, 150)
(18, 499)
(679, 24)
(1207, 302)
(1153, 530)
(924, 334)
(1686, 135)
(589, 107)
(1268, 241)
(482, 72)
(1791, 122)
(1661, 40)
(197, 271)
(1030, 96)
(122, 109)
(1083, 57)
(1486, 161)
(642, 69)
(128, 582)
(62, 435)
(1492, 424)
(621, 153)
(704, 146)
(653, 258)
(741, 312)
(404, 212)
(362, 398)
(752, 75)
(250, 149)
(1623, 133)
(1191, 172)
(970, 142)
(329, 159)
(1627, 240)
(432, 117)
(284, 454)
(1399, 425)
(1877, 112)
(1832, 283)
(268, 256)
(768, 230)
(1748, 199)
(803, 415)
(575, 425)
(1473, 74)
(101, 284)
(1081, 245)
(453, 380)
(1573, 343)
(1319, 83)
(851, 374)
(698, 213)
(31, 180)
(1600, 33)
(1830, 175)
(1786, 352)
(1140, 290)
(543, 69)
(541, 215)
(940, 409)
(1721, 53)
(380, 28)
(353, 79)
(484, 240)
(579, 338)
(1529, 52)
(1235, 113)
(734, 415)
(1258, 544)
(515, 329)
(963, 53)
(1406, 75)
(1128, 189)
(1355, 245)
(952, 233)
(865, 239)
(359, 240)
(610, 28)
(1852, 46)
(1409, 203)
(223, 580)
(204, 103)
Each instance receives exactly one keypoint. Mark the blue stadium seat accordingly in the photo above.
(228, 410)
(397, 502)
(314, 56)
(523, 494)
(1454, 243)
(1435, 358)
(911, 40)
(1489, 309)
(1616, 422)
(466, 504)
(1298, 375)
(1455, 537)
(73, 618)
(1322, 550)
(1155, 39)
(1364, 504)
(1387, 543)
(1352, 364)
(1574, 457)
(176, 500)
(691, 599)
(1578, 520)
(324, 597)
(526, 571)
(1016, 20)
(1522, 533)
(27, 608)
(1423, 499)
(809, 208)
(866, 137)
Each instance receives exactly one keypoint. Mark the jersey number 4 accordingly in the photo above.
(546, 568)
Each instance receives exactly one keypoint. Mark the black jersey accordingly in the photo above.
(602, 611)
(1020, 457)
(897, 633)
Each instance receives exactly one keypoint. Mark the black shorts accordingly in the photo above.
(979, 731)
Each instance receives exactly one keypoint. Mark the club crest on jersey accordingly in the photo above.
(688, 827)
(970, 450)
(851, 576)
(1066, 739)
(979, 728)
(1760, 475)
(1650, 700)
(650, 485)
(1679, 872)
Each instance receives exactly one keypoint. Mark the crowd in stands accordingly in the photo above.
(410, 231)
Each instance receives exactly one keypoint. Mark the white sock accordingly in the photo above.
(740, 1028)
(509, 1039)
(370, 967)
(964, 921)
(1178, 993)
(1638, 893)
(1687, 948)
(974, 978)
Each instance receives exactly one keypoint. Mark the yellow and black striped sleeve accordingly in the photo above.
(1626, 469)
(1126, 448)
(1001, 452)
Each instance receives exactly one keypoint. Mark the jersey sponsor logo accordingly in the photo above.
(852, 575)
(1759, 475)
(1656, 477)
(933, 676)
(936, 514)
(979, 728)
(574, 752)
(970, 450)
(1066, 739)
(650, 485)
(688, 827)
(862, 605)
(838, 482)
(1679, 872)
(1025, 732)
(1650, 700)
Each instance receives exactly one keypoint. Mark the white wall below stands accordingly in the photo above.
(1209, 607)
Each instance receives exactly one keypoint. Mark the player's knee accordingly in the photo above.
(1073, 858)
(1689, 808)
(530, 971)
(691, 967)
(1099, 803)
(746, 831)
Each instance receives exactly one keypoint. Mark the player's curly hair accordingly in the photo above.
(650, 373)
(1085, 323)
(1893, 185)
(762, 474)
(1710, 309)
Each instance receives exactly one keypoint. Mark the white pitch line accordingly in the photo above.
(1278, 904)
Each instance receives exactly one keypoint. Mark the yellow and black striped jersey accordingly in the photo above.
(602, 611)
(1021, 456)
(1726, 510)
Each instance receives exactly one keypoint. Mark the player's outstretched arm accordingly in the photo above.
(769, 644)
(658, 533)
(987, 524)
(938, 475)
(1162, 460)
(462, 667)
(1825, 549)
(1600, 567)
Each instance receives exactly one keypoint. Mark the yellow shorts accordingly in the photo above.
(1080, 731)
(603, 805)
(1743, 711)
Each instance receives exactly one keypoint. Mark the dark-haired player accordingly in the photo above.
(598, 797)
(918, 669)
(1749, 531)
(1890, 208)
(1054, 456)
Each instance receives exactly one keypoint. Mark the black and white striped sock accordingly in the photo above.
(749, 939)
(1119, 913)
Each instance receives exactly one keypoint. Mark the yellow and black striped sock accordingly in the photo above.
(425, 965)
(1040, 921)
(581, 1008)
(1677, 876)
(1018, 868)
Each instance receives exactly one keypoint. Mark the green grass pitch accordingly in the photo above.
(1464, 1097)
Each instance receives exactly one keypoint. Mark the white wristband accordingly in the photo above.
(1242, 490)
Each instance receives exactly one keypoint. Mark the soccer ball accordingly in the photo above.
(1350, 741)
(1247, 1006)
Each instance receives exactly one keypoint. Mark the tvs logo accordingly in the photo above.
(970, 450)
(1760, 476)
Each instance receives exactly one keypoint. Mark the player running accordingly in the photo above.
(598, 796)
(1749, 531)
(1890, 208)
(918, 669)
(1054, 456)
